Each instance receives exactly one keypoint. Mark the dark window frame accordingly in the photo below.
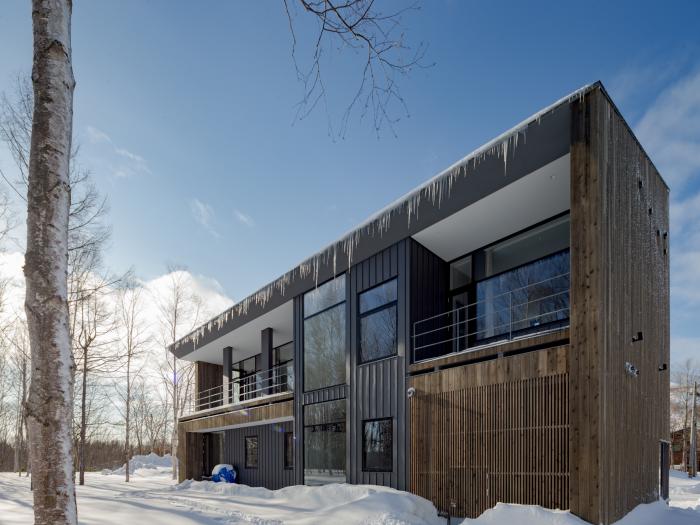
(257, 452)
(365, 468)
(345, 298)
(288, 466)
(305, 318)
(320, 426)
(368, 313)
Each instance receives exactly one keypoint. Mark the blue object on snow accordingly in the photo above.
(225, 473)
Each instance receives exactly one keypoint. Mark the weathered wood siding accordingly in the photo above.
(619, 288)
(207, 375)
(492, 431)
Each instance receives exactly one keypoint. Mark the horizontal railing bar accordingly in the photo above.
(495, 297)
(457, 338)
(452, 325)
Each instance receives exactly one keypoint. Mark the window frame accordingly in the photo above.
(375, 310)
(288, 466)
(245, 452)
(305, 318)
(365, 468)
(306, 427)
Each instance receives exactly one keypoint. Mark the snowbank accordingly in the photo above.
(650, 514)
(145, 466)
(334, 503)
(511, 514)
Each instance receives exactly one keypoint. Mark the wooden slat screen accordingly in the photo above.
(503, 442)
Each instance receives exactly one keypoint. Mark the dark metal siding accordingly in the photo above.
(270, 472)
(377, 389)
(429, 284)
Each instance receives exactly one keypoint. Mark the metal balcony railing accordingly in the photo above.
(519, 312)
(277, 380)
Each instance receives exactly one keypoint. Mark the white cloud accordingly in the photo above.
(96, 136)
(132, 156)
(127, 163)
(670, 131)
(243, 218)
(203, 213)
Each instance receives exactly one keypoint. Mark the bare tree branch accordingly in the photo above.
(359, 26)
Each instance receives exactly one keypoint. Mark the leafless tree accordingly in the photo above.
(20, 357)
(50, 402)
(180, 311)
(93, 343)
(684, 376)
(134, 340)
(376, 37)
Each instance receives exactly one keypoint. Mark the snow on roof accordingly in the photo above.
(434, 190)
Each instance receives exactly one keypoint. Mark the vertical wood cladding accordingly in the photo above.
(270, 473)
(619, 289)
(207, 376)
(377, 389)
(492, 431)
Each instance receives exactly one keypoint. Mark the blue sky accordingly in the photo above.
(185, 112)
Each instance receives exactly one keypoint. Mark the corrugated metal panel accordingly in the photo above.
(377, 389)
(270, 472)
(326, 394)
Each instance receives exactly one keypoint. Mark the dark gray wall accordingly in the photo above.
(270, 473)
(429, 282)
(377, 389)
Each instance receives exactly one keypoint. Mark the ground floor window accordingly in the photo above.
(251, 452)
(324, 442)
(377, 445)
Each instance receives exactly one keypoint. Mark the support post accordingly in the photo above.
(227, 365)
(266, 360)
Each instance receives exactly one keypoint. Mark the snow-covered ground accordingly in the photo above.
(152, 497)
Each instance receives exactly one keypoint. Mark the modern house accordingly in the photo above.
(499, 334)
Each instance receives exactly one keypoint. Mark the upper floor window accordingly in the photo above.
(324, 335)
(538, 242)
(378, 319)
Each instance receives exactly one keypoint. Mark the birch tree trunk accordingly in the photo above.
(50, 401)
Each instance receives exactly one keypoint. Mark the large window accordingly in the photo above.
(525, 298)
(378, 317)
(377, 445)
(324, 442)
(527, 282)
(324, 335)
(251, 452)
(289, 450)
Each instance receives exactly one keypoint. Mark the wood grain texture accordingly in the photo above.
(241, 416)
(619, 288)
(492, 431)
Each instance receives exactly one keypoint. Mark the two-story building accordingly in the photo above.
(486, 338)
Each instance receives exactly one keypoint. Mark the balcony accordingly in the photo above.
(258, 386)
(521, 312)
